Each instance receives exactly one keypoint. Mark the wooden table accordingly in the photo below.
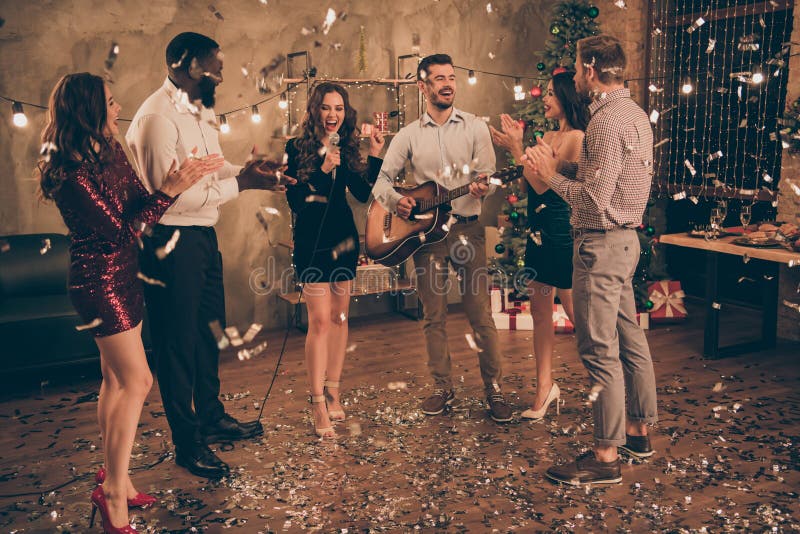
(773, 256)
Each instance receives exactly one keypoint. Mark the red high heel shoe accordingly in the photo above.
(142, 500)
(99, 503)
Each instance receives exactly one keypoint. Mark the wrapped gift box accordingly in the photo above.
(667, 297)
(561, 322)
(513, 319)
(643, 318)
(498, 299)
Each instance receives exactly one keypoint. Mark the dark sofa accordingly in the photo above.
(37, 321)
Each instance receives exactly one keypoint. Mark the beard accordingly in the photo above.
(440, 103)
(207, 89)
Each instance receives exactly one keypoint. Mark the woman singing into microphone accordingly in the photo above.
(325, 160)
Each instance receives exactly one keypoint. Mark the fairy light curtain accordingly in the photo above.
(716, 89)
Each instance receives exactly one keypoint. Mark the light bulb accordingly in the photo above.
(687, 86)
(517, 86)
(757, 76)
(283, 103)
(20, 120)
(255, 116)
(224, 127)
(472, 80)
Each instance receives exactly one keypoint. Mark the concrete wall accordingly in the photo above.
(43, 40)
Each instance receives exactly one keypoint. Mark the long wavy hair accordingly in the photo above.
(74, 134)
(310, 139)
(574, 106)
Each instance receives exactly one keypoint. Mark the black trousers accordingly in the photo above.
(185, 350)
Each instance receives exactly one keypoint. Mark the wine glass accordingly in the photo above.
(723, 208)
(716, 220)
(744, 216)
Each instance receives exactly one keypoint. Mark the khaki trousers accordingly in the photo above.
(465, 249)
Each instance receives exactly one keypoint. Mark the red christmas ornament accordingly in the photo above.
(521, 123)
(559, 70)
(512, 199)
(536, 91)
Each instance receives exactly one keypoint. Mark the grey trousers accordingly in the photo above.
(612, 346)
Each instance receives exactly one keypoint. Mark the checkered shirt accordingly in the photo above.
(610, 184)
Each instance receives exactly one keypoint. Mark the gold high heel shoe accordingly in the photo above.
(335, 415)
(553, 395)
(326, 432)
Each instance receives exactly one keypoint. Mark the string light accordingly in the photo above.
(20, 120)
(757, 76)
(472, 80)
(687, 86)
(255, 116)
(224, 127)
(283, 103)
(517, 85)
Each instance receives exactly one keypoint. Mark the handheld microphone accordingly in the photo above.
(333, 141)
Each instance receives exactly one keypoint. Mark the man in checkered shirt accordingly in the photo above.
(607, 189)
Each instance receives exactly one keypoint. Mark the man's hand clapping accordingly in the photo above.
(264, 174)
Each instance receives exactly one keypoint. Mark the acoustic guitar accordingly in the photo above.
(390, 240)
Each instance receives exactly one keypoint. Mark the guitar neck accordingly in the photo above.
(444, 198)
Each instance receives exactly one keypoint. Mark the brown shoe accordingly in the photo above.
(438, 402)
(499, 410)
(586, 469)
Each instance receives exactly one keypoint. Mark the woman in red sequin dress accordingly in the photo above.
(106, 207)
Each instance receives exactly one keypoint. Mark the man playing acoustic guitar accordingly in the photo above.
(445, 137)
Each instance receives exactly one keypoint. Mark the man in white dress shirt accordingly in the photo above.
(174, 122)
(444, 136)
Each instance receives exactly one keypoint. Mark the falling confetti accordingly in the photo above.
(219, 335)
(251, 333)
(348, 245)
(330, 18)
(88, 326)
(150, 281)
(169, 246)
(594, 393)
(233, 336)
(471, 343)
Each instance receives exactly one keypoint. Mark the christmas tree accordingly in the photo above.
(571, 20)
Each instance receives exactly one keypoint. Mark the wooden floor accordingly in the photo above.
(727, 446)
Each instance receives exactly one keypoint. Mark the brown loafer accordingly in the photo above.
(438, 402)
(586, 469)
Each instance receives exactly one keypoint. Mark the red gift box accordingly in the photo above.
(667, 298)
(561, 322)
(513, 319)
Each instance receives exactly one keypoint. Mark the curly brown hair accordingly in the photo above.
(310, 139)
(74, 133)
